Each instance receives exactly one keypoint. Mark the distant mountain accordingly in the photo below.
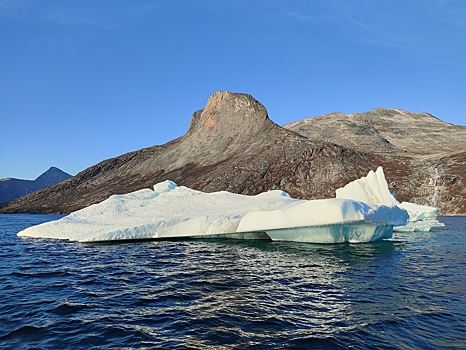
(385, 130)
(232, 145)
(11, 188)
(424, 157)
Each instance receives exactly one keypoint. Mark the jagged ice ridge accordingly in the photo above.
(373, 188)
(171, 211)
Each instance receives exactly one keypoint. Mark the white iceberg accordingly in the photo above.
(171, 211)
(421, 218)
(373, 189)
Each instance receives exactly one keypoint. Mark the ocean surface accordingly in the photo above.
(406, 293)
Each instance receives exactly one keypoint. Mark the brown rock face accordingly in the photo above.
(233, 145)
(385, 130)
(424, 158)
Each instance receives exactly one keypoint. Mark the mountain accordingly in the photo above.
(230, 145)
(11, 188)
(233, 145)
(385, 130)
(424, 156)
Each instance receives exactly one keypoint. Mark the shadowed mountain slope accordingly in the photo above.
(232, 145)
(11, 188)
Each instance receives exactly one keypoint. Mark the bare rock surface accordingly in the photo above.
(385, 131)
(233, 145)
(424, 157)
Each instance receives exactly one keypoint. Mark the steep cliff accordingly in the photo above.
(230, 145)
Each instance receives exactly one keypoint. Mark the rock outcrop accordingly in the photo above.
(424, 157)
(11, 188)
(232, 145)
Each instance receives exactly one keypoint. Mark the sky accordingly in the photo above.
(83, 81)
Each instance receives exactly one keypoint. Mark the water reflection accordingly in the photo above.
(233, 293)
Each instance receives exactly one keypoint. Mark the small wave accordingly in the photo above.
(234, 294)
(26, 333)
(317, 343)
(67, 309)
(48, 274)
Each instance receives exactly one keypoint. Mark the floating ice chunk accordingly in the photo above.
(373, 189)
(326, 221)
(172, 211)
(419, 212)
(419, 226)
(355, 232)
(150, 214)
(421, 218)
(320, 212)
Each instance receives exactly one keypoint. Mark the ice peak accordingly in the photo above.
(164, 186)
(372, 188)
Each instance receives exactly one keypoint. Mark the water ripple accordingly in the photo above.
(400, 294)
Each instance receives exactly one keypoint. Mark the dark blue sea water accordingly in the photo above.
(401, 294)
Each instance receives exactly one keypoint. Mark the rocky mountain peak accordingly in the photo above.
(232, 145)
(388, 111)
(228, 113)
(12, 188)
(53, 173)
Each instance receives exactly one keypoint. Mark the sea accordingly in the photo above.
(405, 293)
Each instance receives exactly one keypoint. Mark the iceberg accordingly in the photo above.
(169, 211)
(421, 218)
(373, 189)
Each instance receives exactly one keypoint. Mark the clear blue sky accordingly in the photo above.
(82, 81)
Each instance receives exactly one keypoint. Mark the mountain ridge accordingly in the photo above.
(13, 188)
(434, 151)
(232, 144)
(390, 124)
